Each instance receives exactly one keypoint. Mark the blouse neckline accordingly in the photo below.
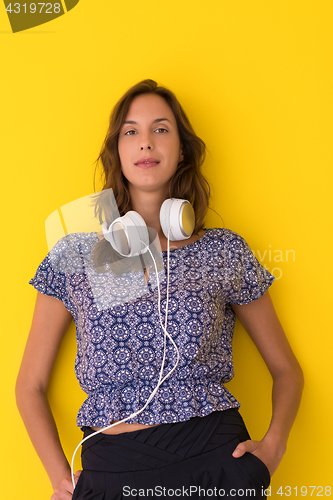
(199, 240)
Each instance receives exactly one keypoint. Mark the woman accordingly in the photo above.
(190, 435)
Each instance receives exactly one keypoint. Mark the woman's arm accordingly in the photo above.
(262, 324)
(50, 323)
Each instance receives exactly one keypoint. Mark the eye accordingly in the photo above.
(161, 130)
(130, 132)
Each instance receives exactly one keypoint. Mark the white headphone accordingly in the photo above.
(128, 234)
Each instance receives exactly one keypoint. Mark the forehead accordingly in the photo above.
(149, 107)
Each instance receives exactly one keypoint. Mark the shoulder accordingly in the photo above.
(73, 240)
(228, 245)
(225, 237)
(244, 278)
(67, 253)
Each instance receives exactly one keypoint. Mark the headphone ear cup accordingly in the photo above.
(128, 235)
(178, 216)
(140, 233)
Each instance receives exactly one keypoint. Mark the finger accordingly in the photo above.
(61, 494)
(77, 475)
(67, 485)
(64, 492)
(243, 447)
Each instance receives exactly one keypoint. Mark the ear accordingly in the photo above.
(181, 154)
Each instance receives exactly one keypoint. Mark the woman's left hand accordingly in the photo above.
(268, 452)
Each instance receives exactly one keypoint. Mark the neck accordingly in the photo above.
(148, 205)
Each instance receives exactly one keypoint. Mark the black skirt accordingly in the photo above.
(191, 459)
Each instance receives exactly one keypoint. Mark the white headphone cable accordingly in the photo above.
(166, 334)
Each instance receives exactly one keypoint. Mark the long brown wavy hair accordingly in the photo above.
(187, 183)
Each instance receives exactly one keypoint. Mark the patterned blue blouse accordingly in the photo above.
(119, 337)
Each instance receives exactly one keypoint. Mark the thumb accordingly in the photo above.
(246, 446)
(77, 475)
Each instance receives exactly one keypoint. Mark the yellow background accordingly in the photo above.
(255, 78)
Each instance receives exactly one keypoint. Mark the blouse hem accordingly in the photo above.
(183, 418)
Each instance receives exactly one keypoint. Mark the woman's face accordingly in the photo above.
(149, 145)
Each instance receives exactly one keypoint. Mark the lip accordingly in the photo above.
(151, 162)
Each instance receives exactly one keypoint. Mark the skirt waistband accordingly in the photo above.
(161, 445)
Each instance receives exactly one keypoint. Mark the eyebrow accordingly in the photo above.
(155, 121)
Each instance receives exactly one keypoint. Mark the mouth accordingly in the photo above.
(147, 162)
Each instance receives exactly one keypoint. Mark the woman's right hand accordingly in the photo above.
(65, 490)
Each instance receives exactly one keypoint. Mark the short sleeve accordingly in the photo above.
(50, 277)
(244, 278)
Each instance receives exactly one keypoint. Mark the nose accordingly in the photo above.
(146, 141)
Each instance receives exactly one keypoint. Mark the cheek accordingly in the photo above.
(122, 152)
(120, 147)
(125, 159)
(171, 147)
